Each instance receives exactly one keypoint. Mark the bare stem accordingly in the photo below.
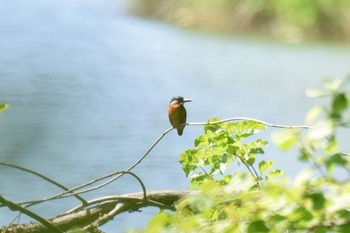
(43, 177)
(250, 119)
(117, 175)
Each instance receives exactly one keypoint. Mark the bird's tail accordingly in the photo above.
(180, 130)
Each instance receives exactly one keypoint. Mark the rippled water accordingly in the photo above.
(89, 86)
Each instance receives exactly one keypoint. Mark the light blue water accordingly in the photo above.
(89, 86)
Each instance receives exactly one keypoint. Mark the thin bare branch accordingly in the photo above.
(43, 177)
(117, 175)
(250, 119)
(121, 172)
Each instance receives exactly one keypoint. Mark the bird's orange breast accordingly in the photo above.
(177, 117)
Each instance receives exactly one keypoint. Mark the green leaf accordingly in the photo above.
(202, 140)
(3, 107)
(286, 139)
(332, 84)
(274, 173)
(214, 127)
(340, 103)
(251, 159)
(255, 147)
(198, 179)
(160, 220)
(244, 129)
(301, 217)
(312, 93)
(320, 131)
(318, 201)
(240, 181)
(313, 114)
(188, 161)
(342, 229)
(333, 161)
(265, 165)
(277, 218)
(257, 227)
(225, 180)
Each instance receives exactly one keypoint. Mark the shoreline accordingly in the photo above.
(247, 18)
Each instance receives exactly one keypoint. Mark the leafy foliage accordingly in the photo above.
(3, 107)
(220, 146)
(315, 201)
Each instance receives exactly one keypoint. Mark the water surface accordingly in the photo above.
(89, 86)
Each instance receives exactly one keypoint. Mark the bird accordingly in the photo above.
(177, 113)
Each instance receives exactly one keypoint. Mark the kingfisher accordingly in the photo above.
(177, 113)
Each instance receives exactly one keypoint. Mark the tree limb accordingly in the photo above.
(99, 211)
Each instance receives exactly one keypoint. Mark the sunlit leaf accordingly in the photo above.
(198, 179)
(255, 147)
(332, 84)
(225, 180)
(320, 131)
(286, 139)
(212, 127)
(244, 129)
(188, 161)
(313, 114)
(312, 93)
(274, 173)
(333, 161)
(241, 181)
(301, 217)
(3, 107)
(251, 159)
(303, 176)
(265, 165)
(160, 220)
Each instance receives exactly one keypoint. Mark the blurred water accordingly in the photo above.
(89, 86)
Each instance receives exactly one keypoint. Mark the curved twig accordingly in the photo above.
(67, 194)
(117, 175)
(121, 172)
(140, 181)
(43, 177)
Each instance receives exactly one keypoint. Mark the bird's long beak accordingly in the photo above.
(187, 100)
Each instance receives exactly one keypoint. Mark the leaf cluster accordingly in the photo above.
(320, 146)
(283, 206)
(219, 147)
(317, 200)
